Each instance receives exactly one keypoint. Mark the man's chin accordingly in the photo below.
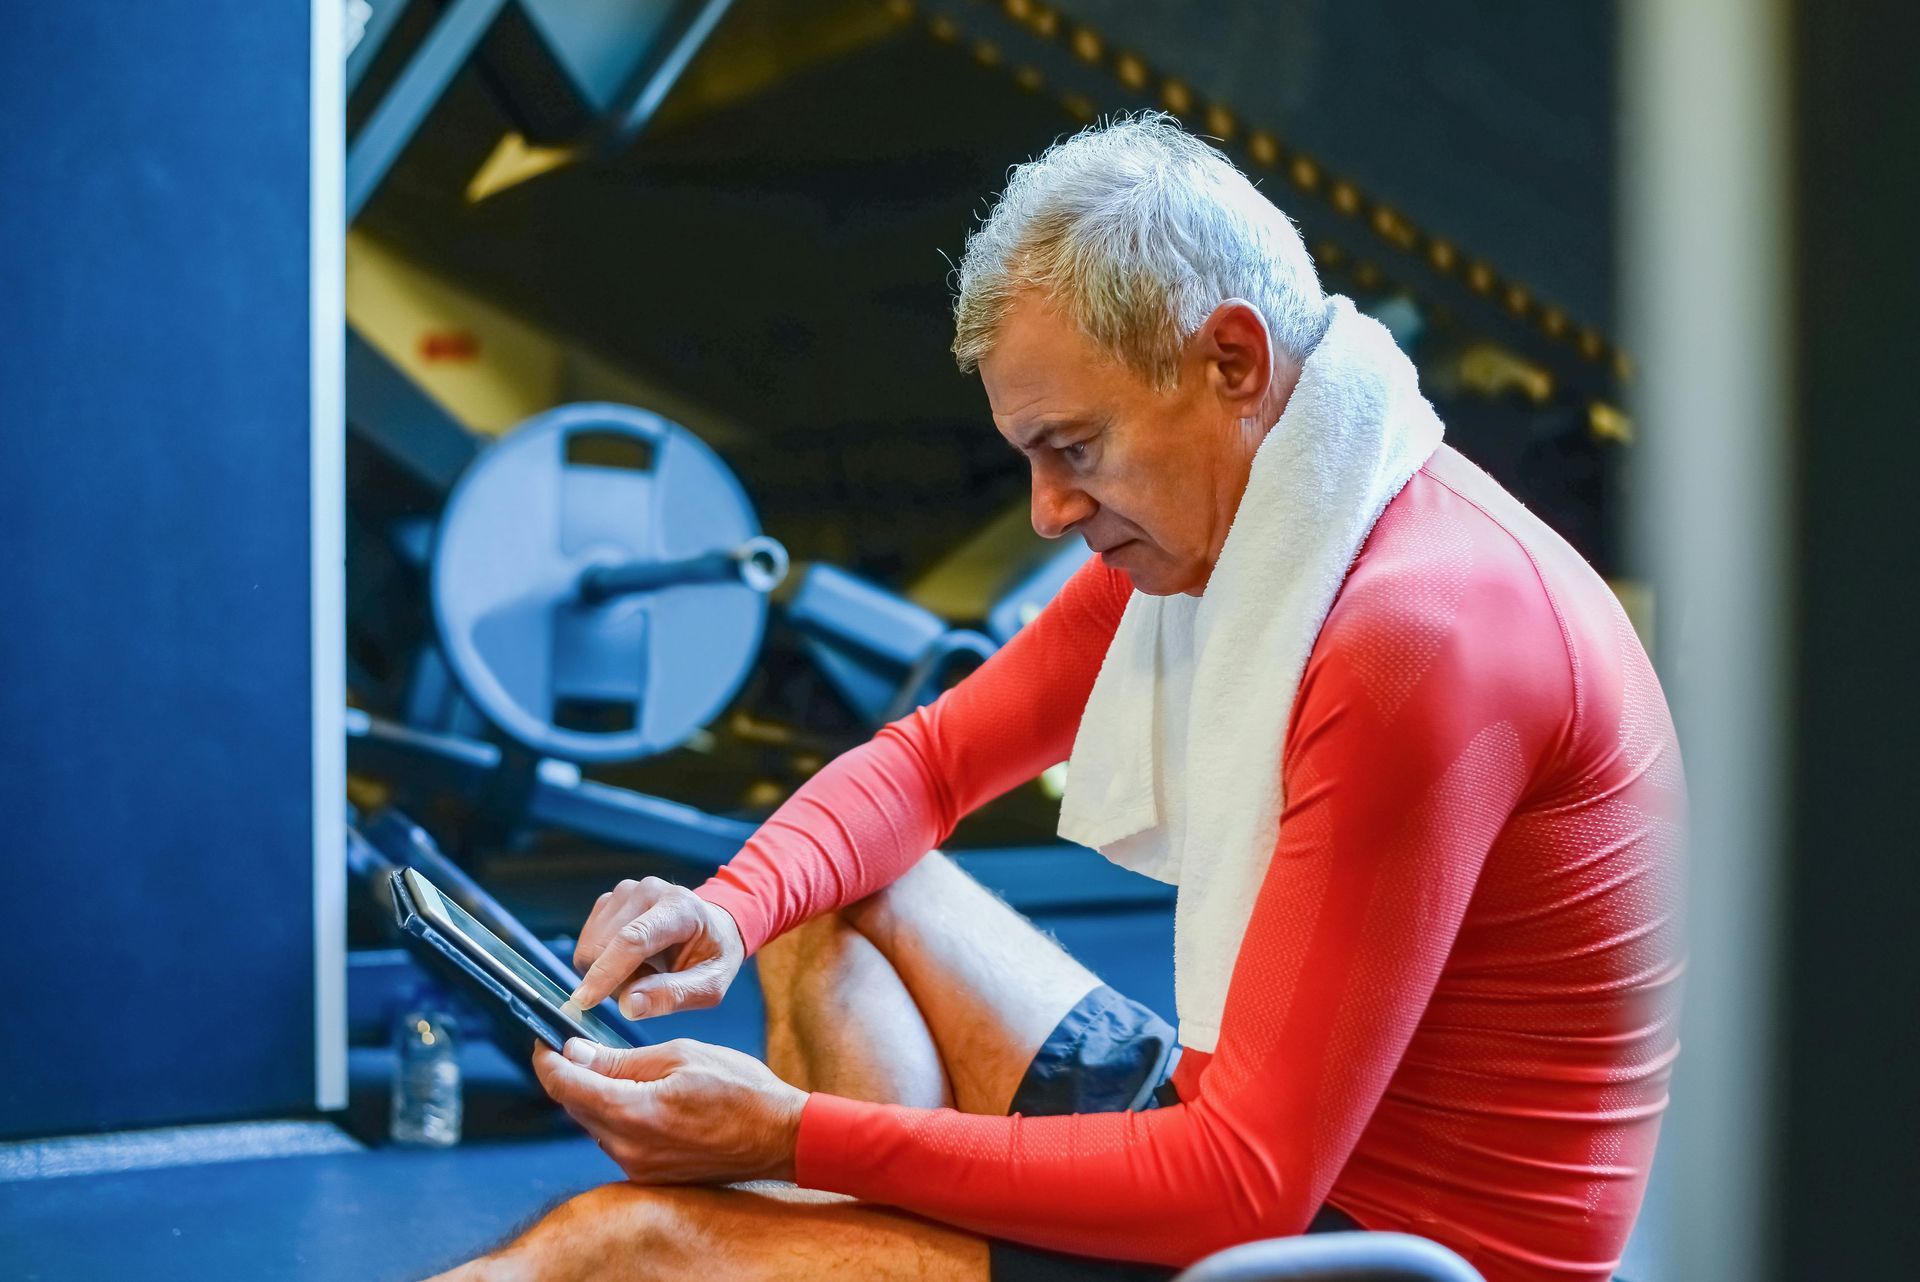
(1148, 572)
(1157, 581)
(1147, 583)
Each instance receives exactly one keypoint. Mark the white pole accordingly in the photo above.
(1706, 274)
(327, 470)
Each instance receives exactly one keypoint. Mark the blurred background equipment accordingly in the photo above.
(599, 583)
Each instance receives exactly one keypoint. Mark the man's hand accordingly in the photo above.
(660, 947)
(682, 1112)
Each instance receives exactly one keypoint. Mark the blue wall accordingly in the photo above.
(156, 843)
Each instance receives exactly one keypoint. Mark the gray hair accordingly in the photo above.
(1136, 230)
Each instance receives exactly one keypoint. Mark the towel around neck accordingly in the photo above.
(1175, 770)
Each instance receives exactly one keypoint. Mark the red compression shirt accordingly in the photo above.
(1453, 1009)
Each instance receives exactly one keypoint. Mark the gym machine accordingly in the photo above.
(600, 588)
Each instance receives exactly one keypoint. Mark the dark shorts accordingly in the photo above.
(1110, 1054)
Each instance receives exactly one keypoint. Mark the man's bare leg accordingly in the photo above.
(990, 985)
(932, 991)
(933, 975)
(840, 1020)
(773, 1233)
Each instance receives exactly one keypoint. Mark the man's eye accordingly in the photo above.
(1075, 451)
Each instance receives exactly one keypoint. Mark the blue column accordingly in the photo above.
(169, 689)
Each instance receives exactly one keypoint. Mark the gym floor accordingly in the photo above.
(328, 1200)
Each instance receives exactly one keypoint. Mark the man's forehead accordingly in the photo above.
(1026, 415)
(1041, 370)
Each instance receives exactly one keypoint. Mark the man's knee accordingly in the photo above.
(748, 1232)
(880, 915)
(807, 953)
(591, 1234)
(811, 948)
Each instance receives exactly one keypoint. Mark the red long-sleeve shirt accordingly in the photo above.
(1453, 1009)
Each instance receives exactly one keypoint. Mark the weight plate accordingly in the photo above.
(576, 487)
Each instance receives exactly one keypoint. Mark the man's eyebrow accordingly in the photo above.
(1051, 427)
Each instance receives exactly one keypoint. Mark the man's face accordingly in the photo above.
(1149, 479)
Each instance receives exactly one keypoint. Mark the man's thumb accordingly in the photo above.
(589, 1054)
(633, 1063)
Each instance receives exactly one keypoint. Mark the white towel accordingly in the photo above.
(1175, 770)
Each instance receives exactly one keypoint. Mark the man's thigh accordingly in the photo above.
(753, 1233)
(989, 983)
(807, 1234)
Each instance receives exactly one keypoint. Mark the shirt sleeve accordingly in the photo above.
(1394, 795)
(873, 812)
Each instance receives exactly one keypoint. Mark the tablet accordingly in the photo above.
(490, 971)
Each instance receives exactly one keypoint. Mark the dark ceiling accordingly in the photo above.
(775, 254)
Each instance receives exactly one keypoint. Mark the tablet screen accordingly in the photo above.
(451, 917)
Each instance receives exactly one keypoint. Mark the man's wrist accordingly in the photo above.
(729, 929)
(737, 905)
(787, 1143)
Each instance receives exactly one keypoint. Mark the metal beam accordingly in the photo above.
(1054, 877)
(377, 23)
(391, 412)
(674, 46)
(414, 94)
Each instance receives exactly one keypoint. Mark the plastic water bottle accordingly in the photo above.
(426, 1079)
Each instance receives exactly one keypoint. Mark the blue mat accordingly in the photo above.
(374, 1215)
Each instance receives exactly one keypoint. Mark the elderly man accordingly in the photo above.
(1392, 739)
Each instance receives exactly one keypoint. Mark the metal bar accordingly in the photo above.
(634, 820)
(759, 563)
(380, 20)
(659, 71)
(389, 411)
(604, 582)
(426, 761)
(394, 122)
(851, 614)
(1044, 878)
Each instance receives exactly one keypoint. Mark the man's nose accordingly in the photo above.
(1058, 508)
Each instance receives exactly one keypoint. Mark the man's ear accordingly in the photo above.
(1239, 356)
